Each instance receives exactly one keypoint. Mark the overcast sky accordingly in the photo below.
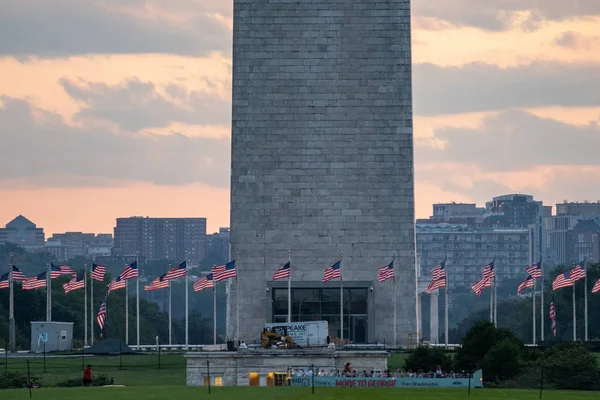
(104, 102)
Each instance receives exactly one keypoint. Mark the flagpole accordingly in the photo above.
(289, 318)
(495, 295)
(585, 301)
(187, 314)
(170, 313)
(395, 302)
(137, 300)
(126, 312)
(11, 309)
(341, 300)
(446, 304)
(237, 297)
(85, 308)
(574, 316)
(542, 303)
(91, 309)
(214, 311)
(491, 304)
(533, 314)
(48, 294)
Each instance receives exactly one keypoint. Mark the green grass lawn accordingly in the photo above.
(129, 370)
(183, 393)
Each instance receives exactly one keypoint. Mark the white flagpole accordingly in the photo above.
(533, 314)
(574, 316)
(491, 303)
(49, 294)
(395, 301)
(170, 343)
(85, 308)
(237, 296)
(137, 300)
(126, 312)
(585, 301)
(289, 318)
(495, 293)
(187, 314)
(542, 303)
(91, 309)
(11, 309)
(214, 311)
(341, 301)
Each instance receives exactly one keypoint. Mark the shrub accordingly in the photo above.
(101, 380)
(428, 358)
(570, 366)
(15, 380)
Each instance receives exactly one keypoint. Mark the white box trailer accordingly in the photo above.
(304, 334)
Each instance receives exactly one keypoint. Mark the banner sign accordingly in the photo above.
(340, 381)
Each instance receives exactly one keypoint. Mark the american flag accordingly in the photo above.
(130, 271)
(488, 271)
(439, 271)
(332, 272)
(159, 283)
(101, 316)
(283, 272)
(178, 272)
(526, 284)
(223, 272)
(4, 281)
(535, 270)
(386, 272)
(56, 271)
(36, 282)
(115, 284)
(203, 283)
(76, 283)
(17, 274)
(98, 272)
(578, 272)
(440, 283)
(562, 281)
(482, 284)
(553, 316)
(596, 287)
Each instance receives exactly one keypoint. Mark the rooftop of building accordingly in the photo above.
(20, 222)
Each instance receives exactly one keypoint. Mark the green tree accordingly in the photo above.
(502, 361)
(428, 358)
(570, 366)
(478, 342)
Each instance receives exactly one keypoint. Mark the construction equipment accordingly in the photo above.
(277, 337)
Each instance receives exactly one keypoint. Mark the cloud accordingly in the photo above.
(498, 15)
(515, 140)
(62, 28)
(135, 105)
(484, 87)
(576, 41)
(36, 144)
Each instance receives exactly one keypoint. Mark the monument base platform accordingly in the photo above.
(261, 367)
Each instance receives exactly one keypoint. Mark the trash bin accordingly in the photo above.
(230, 345)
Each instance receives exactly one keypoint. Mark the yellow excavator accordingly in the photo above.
(276, 337)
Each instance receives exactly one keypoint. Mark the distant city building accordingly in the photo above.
(161, 238)
(217, 245)
(79, 244)
(560, 238)
(469, 249)
(582, 241)
(584, 209)
(22, 232)
(456, 211)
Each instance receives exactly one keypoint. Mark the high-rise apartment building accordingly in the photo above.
(217, 245)
(161, 238)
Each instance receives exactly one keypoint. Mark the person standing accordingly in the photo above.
(87, 376)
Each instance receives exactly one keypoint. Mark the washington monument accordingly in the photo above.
(322, 165)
